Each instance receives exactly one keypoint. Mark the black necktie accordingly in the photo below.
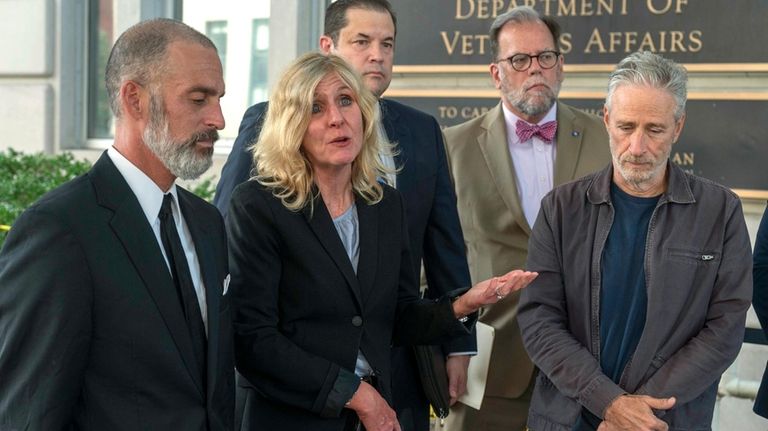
(386, 119)
(183, 281)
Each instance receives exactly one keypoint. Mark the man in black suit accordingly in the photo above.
(760, 302)
(363, 33)
(113, 306)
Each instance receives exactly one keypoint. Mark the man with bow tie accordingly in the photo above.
(503, 162)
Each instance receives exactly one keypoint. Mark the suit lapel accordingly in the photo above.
(493, 145)
(130, 226)
(569, 141)
(205, 247)
(322, 225)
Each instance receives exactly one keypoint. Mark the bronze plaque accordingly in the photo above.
(595, 32)
(723, 140)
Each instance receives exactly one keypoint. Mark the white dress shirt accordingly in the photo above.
(387, 158)
(534, 162)
(151, 199)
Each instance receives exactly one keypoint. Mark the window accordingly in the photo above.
(217, 32)
(99, 44)
(240, 31)
(259, 54)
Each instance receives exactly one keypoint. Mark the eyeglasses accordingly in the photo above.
(521, 62)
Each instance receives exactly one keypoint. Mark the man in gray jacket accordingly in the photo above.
(644, 275)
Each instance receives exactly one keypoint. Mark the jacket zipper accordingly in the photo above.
(596, 288)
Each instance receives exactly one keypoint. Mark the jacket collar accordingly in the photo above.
(678, 187)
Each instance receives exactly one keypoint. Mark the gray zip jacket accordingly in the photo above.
(698, 271)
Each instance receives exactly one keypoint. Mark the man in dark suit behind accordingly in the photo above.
(113, 305)
(760, 302)
(363, 33)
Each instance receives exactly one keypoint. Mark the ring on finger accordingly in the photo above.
(498, 294)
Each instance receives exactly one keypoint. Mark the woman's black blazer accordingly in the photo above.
(302, 313)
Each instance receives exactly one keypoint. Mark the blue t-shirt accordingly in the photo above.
(623, 298)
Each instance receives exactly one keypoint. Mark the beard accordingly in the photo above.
(181, 157)
(530, 104)
(639, 177)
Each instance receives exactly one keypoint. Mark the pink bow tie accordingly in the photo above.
(526, 131)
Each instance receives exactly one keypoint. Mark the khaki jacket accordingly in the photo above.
(495, 230)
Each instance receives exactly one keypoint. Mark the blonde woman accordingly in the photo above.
(320, 264)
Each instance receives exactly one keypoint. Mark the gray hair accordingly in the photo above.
(139, 54)
(647, 68)
(519, 15)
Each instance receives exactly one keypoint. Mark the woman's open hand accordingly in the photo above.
(491, 291)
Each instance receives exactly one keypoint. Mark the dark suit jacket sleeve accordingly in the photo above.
(760, 301)
(422, 321)
(445, 261)
(760, 274)
(279, 368)
(237, 168)
(45, 315)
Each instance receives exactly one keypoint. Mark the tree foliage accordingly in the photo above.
(26, 177)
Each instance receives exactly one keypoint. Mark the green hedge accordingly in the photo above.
(26, 177)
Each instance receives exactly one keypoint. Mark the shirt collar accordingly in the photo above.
(678, 186)
(150, 196)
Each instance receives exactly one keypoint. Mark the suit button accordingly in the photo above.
(357, 321)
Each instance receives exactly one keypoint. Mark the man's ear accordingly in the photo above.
(679, 128)
(495, 75)
(326, 44)
(132, 97)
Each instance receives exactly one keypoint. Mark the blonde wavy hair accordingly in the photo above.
(280, 162)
